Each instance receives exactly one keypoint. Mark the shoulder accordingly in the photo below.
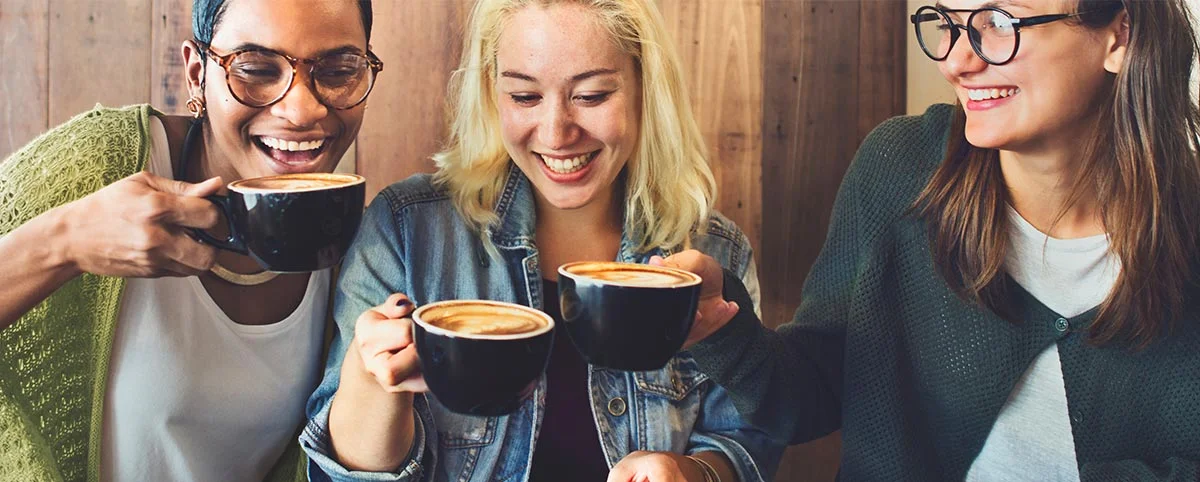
(896, 160)
(412, 201)
(722, 239)
(76, 158)
(905, 145)
(416, 189)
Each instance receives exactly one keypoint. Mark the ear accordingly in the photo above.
(193, 65)
(1117, 35)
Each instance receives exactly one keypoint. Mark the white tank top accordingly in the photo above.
(194, 396)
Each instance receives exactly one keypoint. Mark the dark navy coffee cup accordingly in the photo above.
(291, 223)
(482, 357)
(631, 317)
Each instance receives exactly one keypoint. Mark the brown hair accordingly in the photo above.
(1140, 161)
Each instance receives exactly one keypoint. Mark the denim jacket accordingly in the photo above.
(413, 241)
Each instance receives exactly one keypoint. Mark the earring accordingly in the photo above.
(195, 106)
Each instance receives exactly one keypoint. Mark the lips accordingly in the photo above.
(568, 169)
(292, 155)
(567, 165)
(992, 93)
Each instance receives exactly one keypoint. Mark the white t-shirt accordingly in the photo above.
(1032, 438)
(194, 396)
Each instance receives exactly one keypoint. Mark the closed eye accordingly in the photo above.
(593, 99)
(525, 99)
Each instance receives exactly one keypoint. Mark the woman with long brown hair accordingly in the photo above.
(1008, 288)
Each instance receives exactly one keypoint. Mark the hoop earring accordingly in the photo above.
(195, 106)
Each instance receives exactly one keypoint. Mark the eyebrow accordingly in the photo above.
(993, 3)
(344, 49)
(575, 78)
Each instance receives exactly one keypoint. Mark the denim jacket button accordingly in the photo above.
(616, 407)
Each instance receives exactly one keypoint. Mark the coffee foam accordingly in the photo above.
(630, 274)
(485, 319)
(295, 182)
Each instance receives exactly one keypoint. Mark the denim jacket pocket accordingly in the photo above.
(675, 381)
(461, 431)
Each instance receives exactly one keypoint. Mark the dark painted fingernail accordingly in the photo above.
(403, 302)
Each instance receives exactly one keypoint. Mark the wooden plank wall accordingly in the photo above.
(784, 91)
(833, 70)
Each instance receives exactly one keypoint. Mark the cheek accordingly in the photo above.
(515, 124)
(351, 121)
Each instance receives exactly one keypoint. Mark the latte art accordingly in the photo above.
(483, 319)
(294, 182)
(633, 274)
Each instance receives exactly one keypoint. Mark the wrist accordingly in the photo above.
(707, 473)
(53, 244)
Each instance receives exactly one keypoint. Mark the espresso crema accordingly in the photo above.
(475, 318)
(631, 274)
(294, 182)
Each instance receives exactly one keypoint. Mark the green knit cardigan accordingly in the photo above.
(54, 360)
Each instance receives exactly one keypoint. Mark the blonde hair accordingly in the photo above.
(669, 189)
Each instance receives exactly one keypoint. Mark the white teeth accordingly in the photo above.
(566, 166)
(292, 145)
(988, 94)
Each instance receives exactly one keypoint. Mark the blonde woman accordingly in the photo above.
(571, 139)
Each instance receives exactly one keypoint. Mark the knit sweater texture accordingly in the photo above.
(915, 376)
(54, 360)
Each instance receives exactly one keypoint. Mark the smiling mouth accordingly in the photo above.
(291, 152)
(569, 165)
(991, 94)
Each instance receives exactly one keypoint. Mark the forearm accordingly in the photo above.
(370, 429)
(33, 264)
(785, 383)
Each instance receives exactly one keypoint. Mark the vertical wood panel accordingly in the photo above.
(720, 46)
(834, 70)
(171, 22)
(99, 53)
(419, 43)
(882, 63)
(24, 55)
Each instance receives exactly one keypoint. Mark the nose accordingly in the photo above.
(557, 129)
(962, 59)
(300, 105)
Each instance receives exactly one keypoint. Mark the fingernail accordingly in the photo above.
(403, 302)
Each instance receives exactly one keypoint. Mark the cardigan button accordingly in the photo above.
(1061, 325)
(617, 407)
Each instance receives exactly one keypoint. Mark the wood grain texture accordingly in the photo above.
(833, 70)
(99, 53)
(171, 25)
(721, 50)
(419, 43)
(24, 53)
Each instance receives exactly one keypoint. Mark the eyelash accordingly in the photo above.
(587, 100)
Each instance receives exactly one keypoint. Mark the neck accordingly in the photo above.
(199, 165)
(602, 215)
(1040, 185)
(588, 233)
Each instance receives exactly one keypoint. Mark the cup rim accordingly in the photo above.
(695, 278)
(416, 317)
(354, 179)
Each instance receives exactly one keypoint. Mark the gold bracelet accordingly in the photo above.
(710, 473)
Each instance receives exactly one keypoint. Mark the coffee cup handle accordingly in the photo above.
(233, 242)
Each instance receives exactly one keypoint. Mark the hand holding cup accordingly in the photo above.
(713, 311)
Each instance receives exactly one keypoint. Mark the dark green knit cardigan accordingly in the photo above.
(914, 376)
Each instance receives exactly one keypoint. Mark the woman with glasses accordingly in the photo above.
(571, 139)
(1009, 287)
(130, 351)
